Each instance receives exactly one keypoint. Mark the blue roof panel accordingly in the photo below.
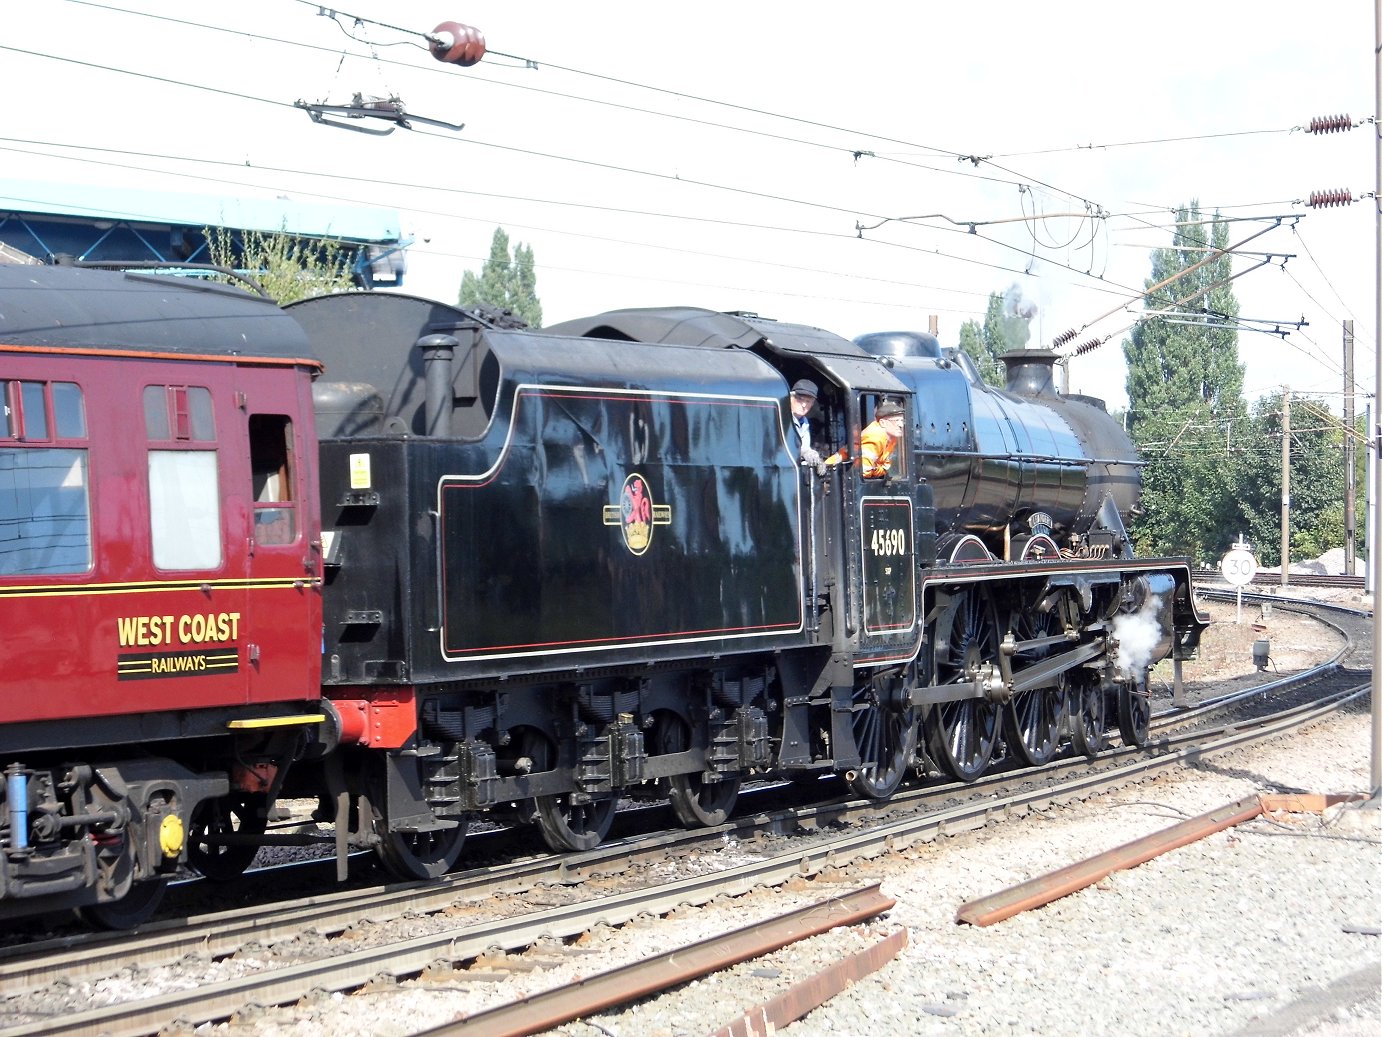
(133, 205)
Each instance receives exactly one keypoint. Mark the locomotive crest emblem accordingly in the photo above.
(636, 514)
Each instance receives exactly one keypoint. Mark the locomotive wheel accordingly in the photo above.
(1033, 720)
(885, 733)
(961, 736)
(565, 825)
(1087, 717)
(1134, 713)
(411, 855)
(243, 813)
(696, 802)
(135, 908)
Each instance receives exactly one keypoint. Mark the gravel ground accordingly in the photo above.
(1267, 928)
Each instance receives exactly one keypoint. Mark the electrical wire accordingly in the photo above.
(1155, 140)
(679, 96)
(495, 196)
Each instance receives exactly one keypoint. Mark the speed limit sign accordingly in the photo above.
(1238, 567)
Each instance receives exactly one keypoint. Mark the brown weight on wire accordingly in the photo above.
(457, 44)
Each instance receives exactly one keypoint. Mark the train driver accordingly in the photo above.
(879, 440)
(803, 398)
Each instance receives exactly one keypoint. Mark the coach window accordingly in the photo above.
(271, 463)
(184, 484)
(45, 512)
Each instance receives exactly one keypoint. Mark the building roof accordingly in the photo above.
(90, 202)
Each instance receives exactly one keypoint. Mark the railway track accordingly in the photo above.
(227, 957)
(1212, 578)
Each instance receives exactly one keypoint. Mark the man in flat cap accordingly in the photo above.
(803, 398)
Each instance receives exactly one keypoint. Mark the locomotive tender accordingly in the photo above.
(423, 565)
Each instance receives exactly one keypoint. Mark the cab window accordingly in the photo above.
(883, 442)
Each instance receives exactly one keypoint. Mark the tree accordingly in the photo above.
(288, 268)
(1185, 393)
(505, 283)
(1190, 483)
(1317, 479)
(1006, 327)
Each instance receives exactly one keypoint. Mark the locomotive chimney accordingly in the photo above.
(437, 354)
(1031, 372)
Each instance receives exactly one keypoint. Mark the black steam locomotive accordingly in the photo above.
(534, 571)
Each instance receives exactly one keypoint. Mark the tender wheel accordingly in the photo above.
(242, 813)
(1134, 712)
(1087, 731)
(1033, 720)
(961, 736)
(565, 825)
(885, 733)
(133, 909)
(411, 855)
(696, 802)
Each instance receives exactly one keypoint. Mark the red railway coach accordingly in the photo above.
(160, 592)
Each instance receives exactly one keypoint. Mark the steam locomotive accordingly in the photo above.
(423, 564)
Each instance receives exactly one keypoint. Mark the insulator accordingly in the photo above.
(1329, 199)
(1087, 347)
(1330, 124)
(1063, 338)
(457, 44)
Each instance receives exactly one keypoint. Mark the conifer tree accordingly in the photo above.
(505, 282)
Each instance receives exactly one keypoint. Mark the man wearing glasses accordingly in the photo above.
(879, 440)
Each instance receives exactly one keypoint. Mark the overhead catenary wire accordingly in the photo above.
(680, 95)
(1099, 284)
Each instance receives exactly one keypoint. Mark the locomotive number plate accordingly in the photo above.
(889, 569)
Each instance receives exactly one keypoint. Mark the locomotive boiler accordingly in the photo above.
(482, 570)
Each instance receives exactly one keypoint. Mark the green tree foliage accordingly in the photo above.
(972, 338)
(1189, 484)
(1006, 327)
(1185, 392)
(288, 268)
(505, 282)
(1317, 479)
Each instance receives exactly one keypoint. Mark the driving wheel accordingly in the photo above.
(885, 733)
(962, 735)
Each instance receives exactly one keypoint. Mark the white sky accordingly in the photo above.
(752, 204)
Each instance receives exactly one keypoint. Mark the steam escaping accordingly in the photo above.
(1014, 324)
(1138, 635)
(1016, 305)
